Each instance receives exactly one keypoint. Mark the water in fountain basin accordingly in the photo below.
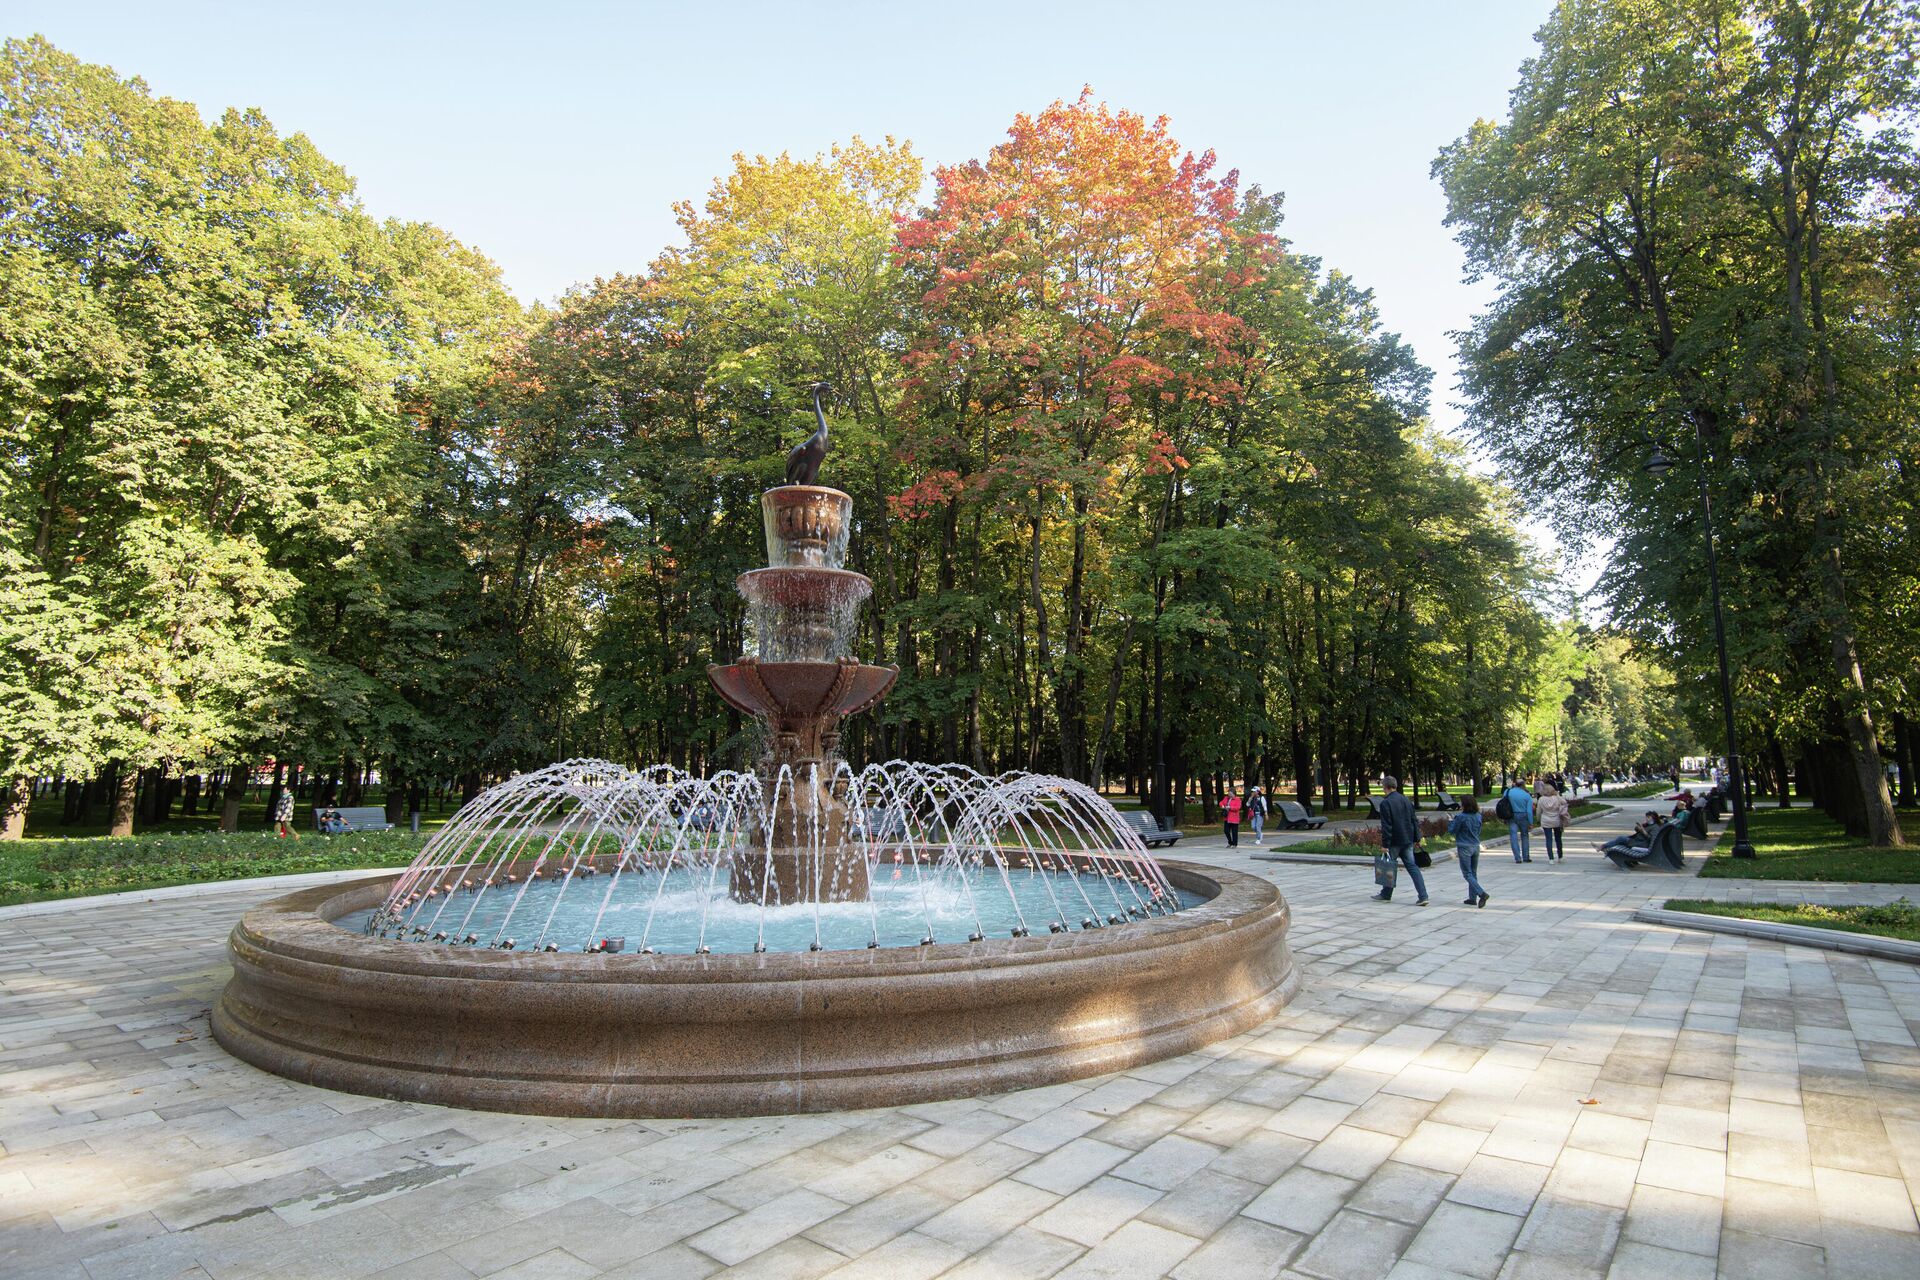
(681, 911)
(586, 850)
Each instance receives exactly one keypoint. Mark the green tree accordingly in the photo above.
(1680, 211)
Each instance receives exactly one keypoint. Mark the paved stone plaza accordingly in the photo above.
(1543, 1088)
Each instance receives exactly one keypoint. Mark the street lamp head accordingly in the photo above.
(1657, 463)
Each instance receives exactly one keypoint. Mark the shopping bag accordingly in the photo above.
(1386, 869)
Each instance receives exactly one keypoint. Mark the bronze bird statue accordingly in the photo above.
(803, 461)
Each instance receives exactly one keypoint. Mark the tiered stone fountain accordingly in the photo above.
(586, 939)
(801, 683)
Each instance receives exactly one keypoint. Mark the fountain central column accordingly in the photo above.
(800, 679)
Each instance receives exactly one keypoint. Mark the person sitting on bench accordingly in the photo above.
(331, 823)
(1642, 837)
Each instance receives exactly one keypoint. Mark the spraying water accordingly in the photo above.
(586, 856)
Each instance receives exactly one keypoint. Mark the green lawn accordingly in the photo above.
(1805, 844)
(36, 870)
(1899, 919)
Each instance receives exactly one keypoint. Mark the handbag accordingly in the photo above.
(1386, 869)
(1421, 858)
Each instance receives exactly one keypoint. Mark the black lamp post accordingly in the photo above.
(1659, 464)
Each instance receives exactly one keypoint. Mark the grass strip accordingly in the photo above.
(1899, 919)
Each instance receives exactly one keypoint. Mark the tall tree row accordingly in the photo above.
(1700, 217)
(1147, 496)
(209, 369)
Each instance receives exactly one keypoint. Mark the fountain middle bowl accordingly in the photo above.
(803, 688)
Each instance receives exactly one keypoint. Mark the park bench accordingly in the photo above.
(1695, 821)
(1295, 815)
(1148, 828)
(368, 818)
(1668, 852)
(1445, 802)
(882, 822)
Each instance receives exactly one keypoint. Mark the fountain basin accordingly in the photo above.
(719, 1035)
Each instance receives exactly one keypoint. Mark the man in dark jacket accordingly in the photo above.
(1399, 833)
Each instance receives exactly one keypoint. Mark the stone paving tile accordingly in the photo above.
(1355, 1246)
(1416, 1113)
(1241, 1248)
(1018, 1255)
(1096, 1211)
(1462, 1240)
(1137, 1249)
(985, 1216)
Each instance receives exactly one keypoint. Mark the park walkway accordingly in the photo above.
(1544, 1088)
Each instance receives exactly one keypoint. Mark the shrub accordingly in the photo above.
(37, 869)
(1368, 837)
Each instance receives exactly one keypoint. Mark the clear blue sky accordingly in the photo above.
(554, 136)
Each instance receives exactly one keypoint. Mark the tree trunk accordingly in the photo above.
(122, 792)
(1882, 826)
(396, 796)
(1302, 764)
(1113, 702)
(13, 808)
(230, 801)
(1903, 756)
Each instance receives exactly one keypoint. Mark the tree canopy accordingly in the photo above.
(1148, 496)
(1700, 217)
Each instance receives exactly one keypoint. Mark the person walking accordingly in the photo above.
(283, 814)
(1257, 814)
(1230, 818)
(1515, 808)
(1400, 836)
(1464, 826)
(1554, 812)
